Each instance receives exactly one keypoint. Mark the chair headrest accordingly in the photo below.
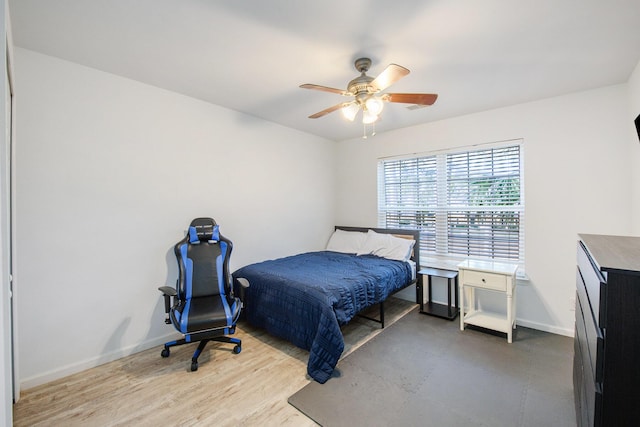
(203, 230)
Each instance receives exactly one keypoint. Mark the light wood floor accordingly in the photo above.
(144, 389)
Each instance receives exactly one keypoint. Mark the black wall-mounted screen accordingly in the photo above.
(638, 125)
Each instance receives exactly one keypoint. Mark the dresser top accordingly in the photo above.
(613, 252)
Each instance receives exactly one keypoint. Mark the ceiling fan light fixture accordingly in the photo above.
(368, 117)
(374, 105)
(369, 95)
(350, 110)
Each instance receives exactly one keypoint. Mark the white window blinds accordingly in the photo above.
(465, 204)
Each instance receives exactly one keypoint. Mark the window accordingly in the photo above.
(465, 203)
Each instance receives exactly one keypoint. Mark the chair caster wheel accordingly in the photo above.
(194, 366)
(165, 352)
(237, 349)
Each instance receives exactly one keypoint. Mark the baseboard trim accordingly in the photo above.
(80, 366)
(545, 328)
(522, 322)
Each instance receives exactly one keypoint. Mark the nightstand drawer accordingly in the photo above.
(485, 280)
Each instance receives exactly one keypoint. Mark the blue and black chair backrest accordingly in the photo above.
(205, 299)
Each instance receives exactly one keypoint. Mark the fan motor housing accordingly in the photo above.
(360, 86)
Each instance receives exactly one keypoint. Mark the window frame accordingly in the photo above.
(436, 253)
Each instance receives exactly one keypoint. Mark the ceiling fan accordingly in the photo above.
(366, 91)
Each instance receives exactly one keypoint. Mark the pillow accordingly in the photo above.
(398, 248)
(373, 242)
(348, 242)
(387, 246)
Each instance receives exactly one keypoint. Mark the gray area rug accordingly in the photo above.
(424, 371)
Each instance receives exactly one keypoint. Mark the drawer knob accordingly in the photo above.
(483, 281)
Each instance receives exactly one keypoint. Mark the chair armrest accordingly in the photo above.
(167, 292)
(244, 285)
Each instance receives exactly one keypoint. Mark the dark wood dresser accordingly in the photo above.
(606, 364)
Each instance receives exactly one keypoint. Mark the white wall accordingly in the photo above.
(109, 174)
(577, 180)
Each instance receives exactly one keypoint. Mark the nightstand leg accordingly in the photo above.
(461, 292)
(456, 293)
(449, 297)
(509, 317)
(515, 304)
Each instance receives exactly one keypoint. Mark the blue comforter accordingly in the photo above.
(306, 298)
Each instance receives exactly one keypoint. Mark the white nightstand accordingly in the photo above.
(493, 276)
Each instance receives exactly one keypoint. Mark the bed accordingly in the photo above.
(306, 298)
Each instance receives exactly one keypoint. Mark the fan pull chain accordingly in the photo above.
(364, 130)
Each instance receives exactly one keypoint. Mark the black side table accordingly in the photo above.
(432, 308)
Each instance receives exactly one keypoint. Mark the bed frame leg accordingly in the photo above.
(380, 320)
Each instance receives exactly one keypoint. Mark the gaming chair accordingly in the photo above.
(204, 308)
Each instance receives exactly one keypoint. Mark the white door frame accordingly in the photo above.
(8, 349)
(12, 222)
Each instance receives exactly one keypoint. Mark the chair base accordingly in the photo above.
(194, 359)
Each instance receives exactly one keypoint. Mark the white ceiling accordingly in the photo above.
(252, 55)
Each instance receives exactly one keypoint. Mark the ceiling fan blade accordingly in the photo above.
(328, 110)
(325, 89)
(389, 76)
(412, 98)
